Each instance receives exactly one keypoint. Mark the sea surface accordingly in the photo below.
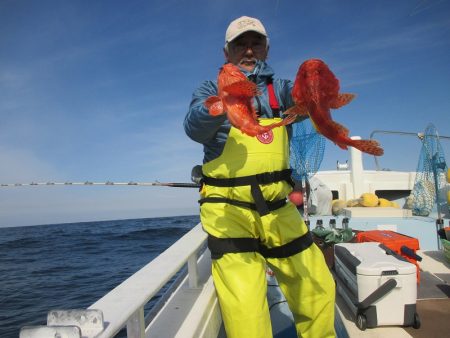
(70, 266)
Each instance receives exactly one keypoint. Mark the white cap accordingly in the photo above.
(242, 25)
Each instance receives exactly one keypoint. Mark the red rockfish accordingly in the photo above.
(235, 93)
(315, 92)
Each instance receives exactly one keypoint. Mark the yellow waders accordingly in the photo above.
(240, 277)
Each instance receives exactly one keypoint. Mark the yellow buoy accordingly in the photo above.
(337, 207)
(369, 200)
(354, 203)
(382, 202)
(395, 205)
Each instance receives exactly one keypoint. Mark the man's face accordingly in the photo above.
(246, 49)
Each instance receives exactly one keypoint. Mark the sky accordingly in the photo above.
(98, 90)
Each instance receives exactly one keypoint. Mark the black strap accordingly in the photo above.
(263, 178)
(253, 181)
(289, 249)
(272, 205)
(221, 246)
(260, 202)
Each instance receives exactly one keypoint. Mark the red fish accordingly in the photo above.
(315, 92)
(235, 94)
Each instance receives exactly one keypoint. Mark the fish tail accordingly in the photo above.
(257, 129)
(371, 147)
(253, 130)
(287, 120)
(214, 105)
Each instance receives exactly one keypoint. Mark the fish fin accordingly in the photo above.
(287, 120)
(342, 100)
(342, 146)
(371, 147)
(339, 128)
(253, 130)
(297, 109)
(244, 88)
(214, 105)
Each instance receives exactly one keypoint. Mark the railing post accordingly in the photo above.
(193, 270)
(356, 170)
(136, 325)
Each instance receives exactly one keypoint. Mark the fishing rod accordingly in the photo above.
(196, 176)
(109, 183)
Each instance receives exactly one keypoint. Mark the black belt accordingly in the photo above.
(261, 205)
(271, 205)
(221, 246)
(263, 178)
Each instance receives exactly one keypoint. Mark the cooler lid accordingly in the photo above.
(372, 260)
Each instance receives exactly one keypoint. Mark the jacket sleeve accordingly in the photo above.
(199, 125)
(285, 88)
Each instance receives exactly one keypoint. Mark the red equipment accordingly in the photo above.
(400, 244)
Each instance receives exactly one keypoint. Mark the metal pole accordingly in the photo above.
(419, 135)
(305, 200)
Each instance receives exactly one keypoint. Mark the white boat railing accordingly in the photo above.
(189, 309)
(124, 305)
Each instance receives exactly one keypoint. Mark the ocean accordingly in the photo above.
(70, 266)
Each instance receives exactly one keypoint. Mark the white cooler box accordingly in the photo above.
(378, 285)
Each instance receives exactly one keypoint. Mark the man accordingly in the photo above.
(244, 209)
